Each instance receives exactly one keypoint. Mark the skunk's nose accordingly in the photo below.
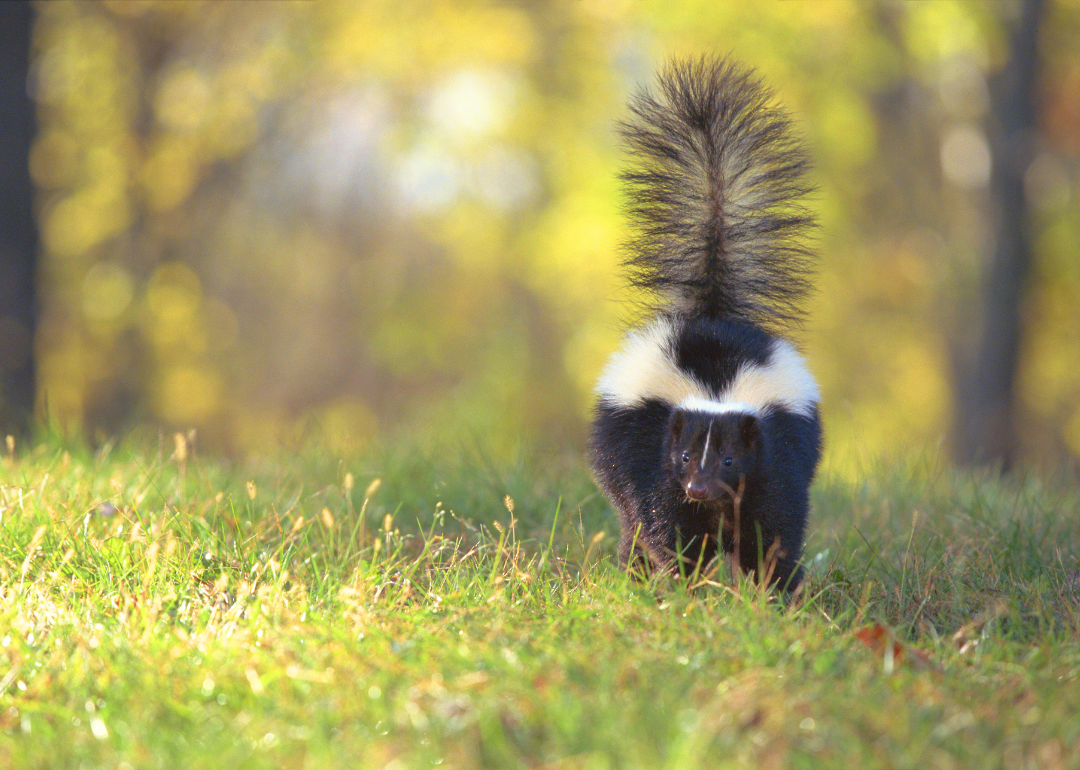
(695, 490)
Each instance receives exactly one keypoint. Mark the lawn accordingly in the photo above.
(448, 608)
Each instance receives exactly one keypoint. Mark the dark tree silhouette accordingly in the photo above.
(986, 430)
(18, 233)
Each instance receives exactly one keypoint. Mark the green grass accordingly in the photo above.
(163, 610)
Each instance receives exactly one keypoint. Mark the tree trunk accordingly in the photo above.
(986, 430)
(18, 233)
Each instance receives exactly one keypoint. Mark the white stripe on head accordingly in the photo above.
(705, 451)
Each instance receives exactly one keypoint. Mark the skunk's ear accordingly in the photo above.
(676, 424)
(749, 430)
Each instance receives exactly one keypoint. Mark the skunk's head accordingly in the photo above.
(711, 452)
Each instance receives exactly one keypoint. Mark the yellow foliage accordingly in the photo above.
(169, 172)
(107, 290)
(173, 303)
(183, 100)
(188, 394)
(54, 159)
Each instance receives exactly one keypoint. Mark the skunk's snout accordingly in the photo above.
(695, 490)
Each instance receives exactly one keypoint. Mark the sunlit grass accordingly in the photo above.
(426, 607)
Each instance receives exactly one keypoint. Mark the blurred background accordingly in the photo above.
(350, 222)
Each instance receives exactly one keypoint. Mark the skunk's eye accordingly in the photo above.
(727, 461)
(685, 457)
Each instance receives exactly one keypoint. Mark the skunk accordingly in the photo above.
(706, 432)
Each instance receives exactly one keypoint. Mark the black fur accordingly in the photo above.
(715, 196)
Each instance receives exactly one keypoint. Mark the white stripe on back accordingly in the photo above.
(642, 369)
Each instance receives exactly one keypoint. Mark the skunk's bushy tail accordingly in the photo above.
(715, 193)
